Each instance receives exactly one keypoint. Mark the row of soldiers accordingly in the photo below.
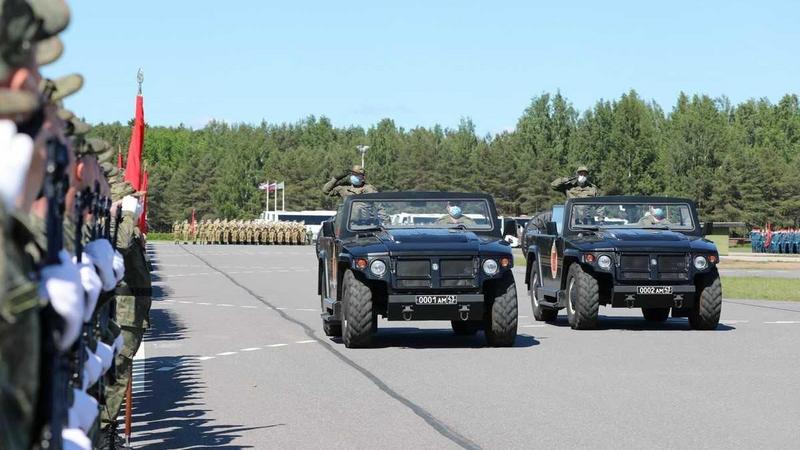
(777, 241)
(256, 232)
(74, 276)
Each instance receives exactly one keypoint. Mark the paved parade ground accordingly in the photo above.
(236, 358)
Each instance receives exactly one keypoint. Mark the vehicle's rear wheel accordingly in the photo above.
(465, 327)
(707, 309)
(501, 320)
(583, 299)
(357, 317)
(540, 313)
(655, 314)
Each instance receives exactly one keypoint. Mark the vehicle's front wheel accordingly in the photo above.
(655, 314)
(583, 299)
(501, 320)
(465, 327)
(357, 317)
(540, 313)
(706, 311)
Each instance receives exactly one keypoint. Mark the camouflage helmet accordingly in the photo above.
(357, 170)
(582, 169)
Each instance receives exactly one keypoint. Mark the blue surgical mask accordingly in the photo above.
(356, 180)
(455, 212)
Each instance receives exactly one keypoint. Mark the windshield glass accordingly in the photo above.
(673, 216)
(429, 213)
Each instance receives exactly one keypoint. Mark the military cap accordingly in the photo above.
(49, 50)
(121, 188)
(24, 24)
(98, 145)
(111, 171)
(582, 169)
(357, 170)
(106, 156)
(17, 102)
(66, 86)
(78, 127)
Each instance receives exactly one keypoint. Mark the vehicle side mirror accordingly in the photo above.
(551, 228)
(327, 228)
(708, 228)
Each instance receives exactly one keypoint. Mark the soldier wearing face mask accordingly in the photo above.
(577, 186)
(352, 182)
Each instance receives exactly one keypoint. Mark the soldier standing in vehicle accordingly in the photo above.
(455, 216)
(577, 186)
(352, 182)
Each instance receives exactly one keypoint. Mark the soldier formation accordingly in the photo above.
(75, 286)
(775, 241)
(254, 232)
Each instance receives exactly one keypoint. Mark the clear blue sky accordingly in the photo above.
(418, 62)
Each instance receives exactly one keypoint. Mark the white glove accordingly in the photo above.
(75, 439)
(83, 411)
(91, 284)
(92, 370)
(119, 342)
(119, 266)
(106, 354)
(131, 204)
(61, 285)
(16, 150)
(102, 255)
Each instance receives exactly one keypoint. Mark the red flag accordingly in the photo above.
(192, 223)
(133, 167)
(119, 158)
(143, 218)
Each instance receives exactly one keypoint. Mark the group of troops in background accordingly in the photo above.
(777, 241)
(257, 232)
(74, 276)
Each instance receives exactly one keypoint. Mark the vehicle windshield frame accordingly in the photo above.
(488, 229)
(578, 228)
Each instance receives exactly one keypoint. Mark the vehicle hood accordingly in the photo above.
(627, 240)
(429, 241)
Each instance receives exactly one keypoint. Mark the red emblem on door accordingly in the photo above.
(553, 260)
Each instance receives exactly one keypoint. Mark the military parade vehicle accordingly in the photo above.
(448, 263)
(634, 252)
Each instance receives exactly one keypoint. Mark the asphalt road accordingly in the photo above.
(236, 358)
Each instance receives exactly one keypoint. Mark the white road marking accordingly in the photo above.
(226, 353)
(251, 349)
(185, 302)
(307, 309)
(224, 304)
(204, 358)
(249, 306)
(204, 303)
(533, 326)
(523, 317)
(733, 322)
(784, 322)
(281, 308)
(277, 345)
(308, 341)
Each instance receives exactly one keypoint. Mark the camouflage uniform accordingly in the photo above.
(572, 189)
(341, 187)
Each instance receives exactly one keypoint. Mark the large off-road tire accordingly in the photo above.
(466, 327)
(655, 314)
(708, 307)
(501, 318)
(540, 313)
(583, 299)
(357, 317)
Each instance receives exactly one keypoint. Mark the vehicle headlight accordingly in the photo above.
(604, 262)
(490, 267)
(700, 263)
(378, 268)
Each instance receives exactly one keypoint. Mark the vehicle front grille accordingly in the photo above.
(668, 268)
(413, 268)
(635, 262)
(672, 263)
(457, 267)
(409, 284)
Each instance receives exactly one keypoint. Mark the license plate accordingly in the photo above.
(654, 290)
(437, 299)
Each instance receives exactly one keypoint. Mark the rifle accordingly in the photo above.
(53, 403)
(79, 349)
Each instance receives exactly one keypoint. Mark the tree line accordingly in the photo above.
(739, 162)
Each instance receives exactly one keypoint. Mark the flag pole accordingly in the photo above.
(276, 197)
(128, 412)
(283, 196)
(266, 202)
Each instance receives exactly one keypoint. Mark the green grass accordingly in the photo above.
(758, 288)
(153, 236)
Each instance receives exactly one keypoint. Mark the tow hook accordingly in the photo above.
(679, 301)
(408, 310)
(630, 300)
(463, 312)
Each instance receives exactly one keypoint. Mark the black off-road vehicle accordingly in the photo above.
(643, 252)
(416, 256)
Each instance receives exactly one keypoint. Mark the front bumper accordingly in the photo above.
(404, 307)
(627, 297)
